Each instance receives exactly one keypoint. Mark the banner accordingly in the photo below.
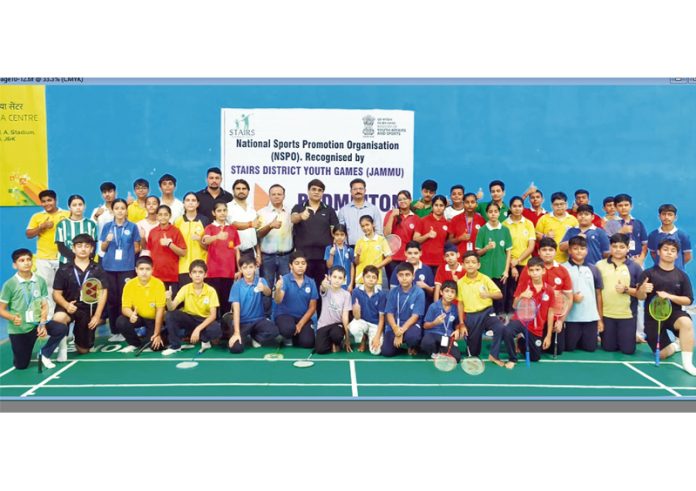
(293, 146)
(23, 146)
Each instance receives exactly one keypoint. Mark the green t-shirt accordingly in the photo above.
(504, 210)
(423, 212)
(22, 296)
(493, 261)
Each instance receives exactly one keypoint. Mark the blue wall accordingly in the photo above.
(608, 139)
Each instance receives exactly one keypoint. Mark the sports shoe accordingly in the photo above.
(117, 338)
(46, 361)
(187, 346)
(129, 349)
(489, 333)
(62, 351)
(287, 342)
(205, 345)
(255, 343)
(170, 351)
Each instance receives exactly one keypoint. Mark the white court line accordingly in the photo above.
(663, 386)
(353, 379)
(6, 372)
(45, 381)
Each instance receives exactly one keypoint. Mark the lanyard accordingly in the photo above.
(115, 229)
(341, 259)
(400, 305)
(469, 226)
(77, 277)
(448, 320)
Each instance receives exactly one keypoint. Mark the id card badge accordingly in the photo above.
(469, 246)
(118, 256)
(632, 245)
(444, 341)
(29, 316)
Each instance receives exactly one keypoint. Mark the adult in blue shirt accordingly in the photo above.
(350, 214)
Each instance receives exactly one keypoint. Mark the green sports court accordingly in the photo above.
(108, 374)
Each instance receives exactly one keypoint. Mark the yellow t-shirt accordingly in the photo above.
(194, 249)
(559, 226)
(136, 212)
(144, 298)
(46, 247)
(521, 232)
(372, 251)
(198, 304)
(469, 292)
(616, 305)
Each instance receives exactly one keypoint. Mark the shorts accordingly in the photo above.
(667, 325)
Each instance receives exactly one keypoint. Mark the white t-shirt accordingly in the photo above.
(103, 219)
(235, 213)
(177, 208)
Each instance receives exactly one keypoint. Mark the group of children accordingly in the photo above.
(181, 277)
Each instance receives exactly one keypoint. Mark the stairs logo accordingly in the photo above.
(241, 126)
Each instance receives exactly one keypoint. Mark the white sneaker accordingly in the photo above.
(47, 362)
(128, 349)
(71, 339)
(255, 343)
(170, 351)
(287, 342)
(187, 346)
(205, 345)
(62, 351)
(117, 338)
(489, 333)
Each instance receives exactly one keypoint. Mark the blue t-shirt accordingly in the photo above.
(402, 305)
(638, 237)
(297, 297)
(586, 280)
(250, 301)
(344, 257)
(446, 328)
(370, 307)
(682, 238)
(423, 273)
(597, 242)
(125, 237)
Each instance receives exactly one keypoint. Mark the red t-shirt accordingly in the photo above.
(164, 261)
(556, 276)
(222, 257)
(405, 230)
(460, 225)
(444, 274)
(531, 215)
(434, 249)
(543, 299)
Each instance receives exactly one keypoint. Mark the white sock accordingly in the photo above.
(687, 363)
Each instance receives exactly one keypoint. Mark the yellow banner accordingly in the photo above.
(23, 145)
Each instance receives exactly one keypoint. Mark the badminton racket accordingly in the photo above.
(394, 242)
(306, 363)
(277, 355)
(143, 347)
(526, 312)
(90, 292)
(559, 307)
(189, 363)
(445, 362)
(471, 364)
(660, 309)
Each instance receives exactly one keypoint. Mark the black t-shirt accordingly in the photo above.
(67, 276)
(675, 282)
(311, 236)
(206, 202)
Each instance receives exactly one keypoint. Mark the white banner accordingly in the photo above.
(293, 146)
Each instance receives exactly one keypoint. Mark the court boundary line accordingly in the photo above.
(6, 371)
(353, 379)
(48, 379)
(653, 380)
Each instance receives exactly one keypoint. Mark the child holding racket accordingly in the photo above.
(192, 227)
(341, 254)
(440, 324)
(476, 293)
(68, 286)
(76, 224)
(120, 242)
(371, 249)
(667, 281)
(404, 310)
(332, 326)
(464, 227)
(23, 302)
(452, 270)
(166, 246)
(223, 242)
(401, 222)
(247, 321)
(296, 302)
(583, 323)
(432, 233)
(494, 246)
(369, 302)
(142, 305)
(523, 242)
(148, 223)
(197, 317)
(533, 287)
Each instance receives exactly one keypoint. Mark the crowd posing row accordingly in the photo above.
(212, 267)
